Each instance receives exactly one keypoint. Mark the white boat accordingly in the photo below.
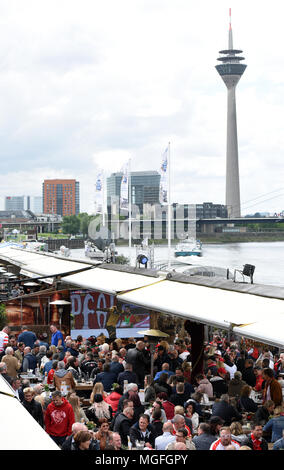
(189, 247)
(91, 251)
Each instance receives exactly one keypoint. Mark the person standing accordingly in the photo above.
(27, 337)
(4, 339)
(272, 389)
(140, 360)
(59, 418)
(57, 337)
(33, 406)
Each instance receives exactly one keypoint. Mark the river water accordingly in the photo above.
(267, 257)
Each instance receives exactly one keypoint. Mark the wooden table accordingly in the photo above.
(84, 386)
(84, 389)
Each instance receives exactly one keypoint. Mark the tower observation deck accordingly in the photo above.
(231, 69)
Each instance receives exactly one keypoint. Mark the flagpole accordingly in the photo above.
(129, 208)
(103, 204)
(169, 208)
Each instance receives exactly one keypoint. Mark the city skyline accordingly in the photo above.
(85, 86)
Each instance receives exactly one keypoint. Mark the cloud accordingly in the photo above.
(84, 85)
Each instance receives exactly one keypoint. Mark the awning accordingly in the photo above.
(30, 435)
(48, 266)
(262, 317)
(109, 281)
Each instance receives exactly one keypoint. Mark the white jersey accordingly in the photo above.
(217, 445)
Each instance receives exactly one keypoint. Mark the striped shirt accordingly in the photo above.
(4, 340)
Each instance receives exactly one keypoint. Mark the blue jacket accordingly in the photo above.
(107, 379)
(29, 362)
(116, 368)
(276, 425)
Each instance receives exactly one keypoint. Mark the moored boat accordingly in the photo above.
(189, 247)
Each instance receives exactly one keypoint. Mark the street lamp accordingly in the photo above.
(153, 336)
(60, 305)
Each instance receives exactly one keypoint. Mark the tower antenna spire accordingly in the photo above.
(230, 30)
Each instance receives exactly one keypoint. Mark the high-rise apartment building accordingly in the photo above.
(61, 196)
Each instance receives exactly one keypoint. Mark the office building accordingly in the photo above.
(145, 187)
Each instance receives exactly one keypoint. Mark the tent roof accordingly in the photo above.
(109, 281)
(30, 435)
(214, 306)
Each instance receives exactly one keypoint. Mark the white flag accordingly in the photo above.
(124, 202)
(164, 178)
(99, 193)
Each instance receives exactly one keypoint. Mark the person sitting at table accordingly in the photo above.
(264, 412)
(99, 410)
(76, 427)
(226, 411)
(88, 364)
(179, 398)
(98, 389)
(238, 434)
(82, 441)
(245, 403)
(143, 431)
(63, 379)
(156, 405)
(113, 398)
(79, 413)
(255, 439)
(215, 423)
(106, 377)
(103, 435)
(138, 407)
(190, 412)
(276, 424)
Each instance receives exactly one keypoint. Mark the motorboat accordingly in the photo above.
(189, 247)
(93, 252)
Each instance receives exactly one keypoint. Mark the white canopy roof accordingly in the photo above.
(263, 316)
(109, 281)
(19, 430)
(254, 316)
(47, 266)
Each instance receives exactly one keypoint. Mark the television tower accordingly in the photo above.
(231, 71)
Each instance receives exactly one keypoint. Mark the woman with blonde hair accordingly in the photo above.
(238, 434)
(98, 388)
(79, 413)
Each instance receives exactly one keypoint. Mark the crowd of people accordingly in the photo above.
(236, 403)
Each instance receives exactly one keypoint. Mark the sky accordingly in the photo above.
(87, 85)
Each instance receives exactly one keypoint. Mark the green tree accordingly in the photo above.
(85, 220)
(71, 224)
(3, 316)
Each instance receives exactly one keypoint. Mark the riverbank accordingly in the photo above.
(216, 238)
